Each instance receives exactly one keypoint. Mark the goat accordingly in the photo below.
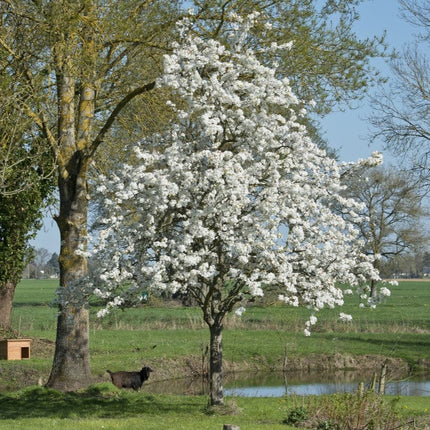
(133, 380)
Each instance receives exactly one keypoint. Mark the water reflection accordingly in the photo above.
(278, 384)
(339, 382)
(404, 388)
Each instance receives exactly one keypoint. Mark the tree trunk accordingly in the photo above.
(373, 283)
(71, 366)
(373, 288)
(215, 366)
(7, 291)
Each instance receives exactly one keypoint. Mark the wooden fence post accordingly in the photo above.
(382, 379)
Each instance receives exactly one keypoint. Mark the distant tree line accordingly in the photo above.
(42, 265)
(415, 264)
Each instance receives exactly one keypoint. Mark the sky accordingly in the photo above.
(347, 131)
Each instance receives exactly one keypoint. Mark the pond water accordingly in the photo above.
(277, 385)
(403, 388)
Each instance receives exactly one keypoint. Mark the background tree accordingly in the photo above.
(204, 211)
(392, 207)
(20, 218)
(409, 265)
(426, 259)
(41, 256)
(48, 267)
(402, 111)
(26, 182)
(52, 267)
(82, 64)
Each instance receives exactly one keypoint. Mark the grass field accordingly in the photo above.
(398, 328)
(169, 337)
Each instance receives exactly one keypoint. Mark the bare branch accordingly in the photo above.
(117, 110)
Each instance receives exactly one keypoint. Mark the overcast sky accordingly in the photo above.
(345, 131)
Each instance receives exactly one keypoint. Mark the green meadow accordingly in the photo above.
(171, 339)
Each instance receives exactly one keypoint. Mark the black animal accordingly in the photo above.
(133, 380)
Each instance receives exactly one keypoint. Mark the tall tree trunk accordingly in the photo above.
(373, 290)
(215, 366)
(71, 366)
(7, 291)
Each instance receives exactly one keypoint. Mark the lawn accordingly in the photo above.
(170, 337)
(104, 406)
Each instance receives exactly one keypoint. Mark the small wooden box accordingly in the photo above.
(15, 349)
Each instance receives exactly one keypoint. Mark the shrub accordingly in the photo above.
(296, 415)
(353, 411)
(327, 425)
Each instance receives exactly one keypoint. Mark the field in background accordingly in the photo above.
(408, 309)
(398, 328)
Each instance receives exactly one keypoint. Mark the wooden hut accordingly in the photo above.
(15, 349)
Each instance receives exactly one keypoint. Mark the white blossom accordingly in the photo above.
(345, 317)
(239, 311)
(233, 193)
(384, 291)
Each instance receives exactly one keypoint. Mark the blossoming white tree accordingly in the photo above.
(233, 197)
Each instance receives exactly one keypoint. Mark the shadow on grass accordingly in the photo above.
(405, 340)
(417, 342)
(99, 401)
(32, 304)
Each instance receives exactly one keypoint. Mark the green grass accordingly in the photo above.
(162, 336)
(407, 309)
(103, 406)
(169, 336)
(399, 328)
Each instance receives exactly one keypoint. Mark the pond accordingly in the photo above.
(277, 385)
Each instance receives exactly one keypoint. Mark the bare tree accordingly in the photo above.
(402, 111)
(392, 204)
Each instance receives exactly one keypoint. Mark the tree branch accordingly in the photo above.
(119, 107)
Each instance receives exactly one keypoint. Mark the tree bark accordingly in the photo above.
(215, 368)
(71, 367)
(373, 283)
(7, 291)
(373, 289)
